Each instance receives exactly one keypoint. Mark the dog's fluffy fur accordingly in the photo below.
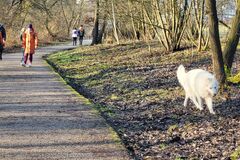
(198, 84)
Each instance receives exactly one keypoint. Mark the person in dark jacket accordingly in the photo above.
(81, 33)
(2, 39)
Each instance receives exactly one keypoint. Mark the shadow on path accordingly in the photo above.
(41, 118)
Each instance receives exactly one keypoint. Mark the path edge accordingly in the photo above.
(94, 107)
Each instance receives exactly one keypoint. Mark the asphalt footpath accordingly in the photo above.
(42, 118)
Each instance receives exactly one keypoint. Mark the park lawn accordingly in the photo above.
(136, 90)
(122, 70)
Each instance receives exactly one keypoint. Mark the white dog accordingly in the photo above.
(198, 84)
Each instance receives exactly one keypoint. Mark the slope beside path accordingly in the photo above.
(42, 118)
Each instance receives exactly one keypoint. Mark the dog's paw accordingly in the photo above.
(212, 112)
(200, 108)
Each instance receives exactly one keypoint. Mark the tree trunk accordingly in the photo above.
(114, 23)
(161, 22)
(65, 18)
(100, 36)
(53, 35)
(215, 44)
(201, 26)
(132, 20)
(233, 39)
(96, 25)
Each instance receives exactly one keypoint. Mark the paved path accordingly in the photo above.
(42, 118)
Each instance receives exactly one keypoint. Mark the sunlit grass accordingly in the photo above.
(120, 73)
(120, 69)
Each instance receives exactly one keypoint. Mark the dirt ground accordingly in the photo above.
(140, 97)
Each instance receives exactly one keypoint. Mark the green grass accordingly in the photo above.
(120, 72)
(236, 154)
(126, 78)
(234, 79)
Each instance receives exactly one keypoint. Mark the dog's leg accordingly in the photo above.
(209, 104)
(193, 98)
(185, 100)
(199, 102)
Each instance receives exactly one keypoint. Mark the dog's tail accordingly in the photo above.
(181, 74)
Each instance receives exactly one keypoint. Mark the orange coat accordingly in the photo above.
(30, 41)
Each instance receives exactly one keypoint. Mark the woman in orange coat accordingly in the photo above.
(29, 43)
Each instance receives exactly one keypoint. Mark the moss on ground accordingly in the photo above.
(236, 154)
(235, 79)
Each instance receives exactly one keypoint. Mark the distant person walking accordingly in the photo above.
(2, 39)
(74, 36)
(29, 43)
(81, 33)
(21, 39)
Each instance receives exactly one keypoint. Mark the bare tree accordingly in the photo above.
(114, 22)
(199, 11)
(217, 57)
(169, 21)
(95, 33)
(233, 39)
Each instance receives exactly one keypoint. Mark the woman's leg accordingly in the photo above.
(75, 40)
(25, 58)
(1, 54)
(81, 40)
(31, 58)
(1, 51)
(22, 60)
